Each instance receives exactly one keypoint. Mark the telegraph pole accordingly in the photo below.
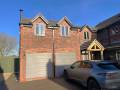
(53, 48)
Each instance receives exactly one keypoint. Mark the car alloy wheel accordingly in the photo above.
(93, 85)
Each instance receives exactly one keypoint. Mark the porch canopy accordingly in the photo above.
(92, 46)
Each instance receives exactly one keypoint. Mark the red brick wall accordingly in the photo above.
(31, 43)
(85, 29)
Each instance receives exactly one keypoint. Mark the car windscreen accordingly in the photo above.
(109, 66)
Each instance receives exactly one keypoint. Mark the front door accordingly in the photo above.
(96, 55)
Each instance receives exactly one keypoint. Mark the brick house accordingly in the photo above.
(108, 33)
(36, 47)
(44, 56)
(90, 47)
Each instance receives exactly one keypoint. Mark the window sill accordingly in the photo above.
(86, 40)
(39, 36)
(65, 36)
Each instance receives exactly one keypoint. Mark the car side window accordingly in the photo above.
(76, 65)
(85, 65)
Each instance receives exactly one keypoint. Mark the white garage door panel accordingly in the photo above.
(64, 60)
(38, 65)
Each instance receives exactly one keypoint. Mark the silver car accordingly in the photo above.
(95, 75)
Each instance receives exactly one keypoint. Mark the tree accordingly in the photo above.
(7, 44)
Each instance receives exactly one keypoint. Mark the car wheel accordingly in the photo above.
(93, 85)
(66, 77)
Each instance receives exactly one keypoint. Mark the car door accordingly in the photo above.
(84, 71)
(73, 70)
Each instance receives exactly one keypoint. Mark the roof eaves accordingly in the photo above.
(107, 22)
(92, 29)
(25, 21)
(41, 16)
(65, 18)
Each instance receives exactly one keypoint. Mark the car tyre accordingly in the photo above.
(93, 85)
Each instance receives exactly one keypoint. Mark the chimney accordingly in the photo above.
(21, 14)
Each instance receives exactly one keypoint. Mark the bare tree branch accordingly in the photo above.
(7, 44)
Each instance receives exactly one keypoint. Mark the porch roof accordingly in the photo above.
(85, 45)
(92, 45)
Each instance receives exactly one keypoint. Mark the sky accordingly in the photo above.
(79, 12)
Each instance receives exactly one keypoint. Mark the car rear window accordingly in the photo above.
(109, 66)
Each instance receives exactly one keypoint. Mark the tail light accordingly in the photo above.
(107, 75)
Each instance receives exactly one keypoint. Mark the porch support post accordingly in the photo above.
(89, 55)
(102, 58)
(116, 55)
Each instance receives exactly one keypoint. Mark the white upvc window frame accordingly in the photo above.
(63, 31)
(86, 35)
(40, 32)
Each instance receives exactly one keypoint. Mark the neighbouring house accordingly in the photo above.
(90, 47)
(105, 43)
(108, 33)
(38, 47)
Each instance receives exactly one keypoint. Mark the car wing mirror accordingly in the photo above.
(72, 67)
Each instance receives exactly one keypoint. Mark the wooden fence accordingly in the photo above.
(9, 65)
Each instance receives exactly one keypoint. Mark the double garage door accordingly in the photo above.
(39, 65)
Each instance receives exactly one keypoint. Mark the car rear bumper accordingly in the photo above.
(110, 89)
(111, 85)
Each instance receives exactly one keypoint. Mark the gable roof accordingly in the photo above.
(29, 22)
(76, 27)
(66, 19)
(52, 23)
(95, 42)
(40, 16)
(108, 22)
(26, 21)
(92, 29)
(87, 45)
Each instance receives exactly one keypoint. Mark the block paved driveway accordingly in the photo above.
(56, 84)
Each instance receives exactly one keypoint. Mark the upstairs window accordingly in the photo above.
(64, 30)
(40, 29)
(86, 35)
(115, 30)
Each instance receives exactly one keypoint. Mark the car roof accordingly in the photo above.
(98, 61)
